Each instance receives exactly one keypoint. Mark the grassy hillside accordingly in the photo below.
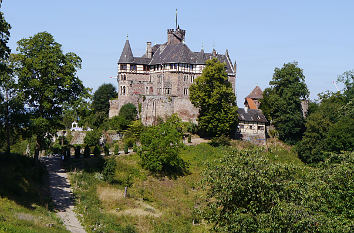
(24, 197)
(153, 204)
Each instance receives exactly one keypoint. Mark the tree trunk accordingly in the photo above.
(37, 149)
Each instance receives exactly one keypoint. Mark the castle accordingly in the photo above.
(158, 82)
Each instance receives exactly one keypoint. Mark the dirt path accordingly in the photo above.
(62, 195)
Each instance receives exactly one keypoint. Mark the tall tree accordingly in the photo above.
(47, 79)
(212, 93)
(4, 38)
(330, 128)
(101, 97)
(281, 102)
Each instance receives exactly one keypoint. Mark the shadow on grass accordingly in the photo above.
(23, 180)
(91, 164)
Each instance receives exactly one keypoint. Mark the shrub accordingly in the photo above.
(247, 192)
(96, 151)
(128, 112)
(126, 149)
(92, 138)
(116, 149)
(159, 150)
(220, 141)
(87, 151)
(77, 151)
(135, 148)
(189, 138)
(109, 170)
(106, 150)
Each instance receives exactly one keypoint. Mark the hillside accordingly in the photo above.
(153, 204)
(24, 199)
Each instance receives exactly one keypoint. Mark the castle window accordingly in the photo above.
(175, 66)
(122, 90)
(123, 66)
(167, 91)
(147, 90)
(171, 66)
(185, 91)
(261, 127)
(133, 67)
(192, 78)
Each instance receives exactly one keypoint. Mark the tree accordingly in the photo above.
(128, 112)
(212, 93)
(160, 146)
(101, 97)
(246, 191)
(281, 102)
(47, 79)
(4, 38)
(330, 128)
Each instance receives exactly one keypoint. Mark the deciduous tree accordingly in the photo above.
(47, 78)
(281, 102)
(213, 95)
(101, 97)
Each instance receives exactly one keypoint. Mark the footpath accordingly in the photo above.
(62, 194)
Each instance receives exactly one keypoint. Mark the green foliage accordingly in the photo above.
(189, 138)
(97, 151)
(116, 149)
(77, 151)
(92, 138)
(106, 150)
(109, 169)
(160, 147)
(247, 192)
(4, 38)
(212, 93)
(330, 128)
(87, 151)
(101, 97)
(220, 141)
(128, 112)
(135, 148)
(126, 149)
(47, 80)
(281, 102)
(118, 123)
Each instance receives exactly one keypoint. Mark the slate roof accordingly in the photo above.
(252, 115)
(257, 93)
(172, 53)
(127, 54)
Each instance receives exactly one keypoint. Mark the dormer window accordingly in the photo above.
(133, 67)
(123, 66)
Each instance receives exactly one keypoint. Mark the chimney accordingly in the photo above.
(148, 50)
(246, 109)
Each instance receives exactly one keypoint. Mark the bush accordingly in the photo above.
(106, 150)
(135, 148)
(126, 149)
(87, 151)
(189, 138)
(220, 141)
(160, 146)
(96, 151)
(77, 151)
(128, 112)
(247, 192)
(116, 149)
(92, 138)
(109, 170)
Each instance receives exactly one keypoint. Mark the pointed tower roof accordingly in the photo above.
(257, 93)
(127, 54)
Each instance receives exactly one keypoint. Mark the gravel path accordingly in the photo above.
(62, 195)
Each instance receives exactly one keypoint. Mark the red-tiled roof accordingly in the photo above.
(251, 103)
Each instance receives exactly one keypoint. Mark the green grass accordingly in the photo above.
(154, 204)
(24, 197)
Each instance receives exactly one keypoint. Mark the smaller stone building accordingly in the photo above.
(252, 125)
(252, 101)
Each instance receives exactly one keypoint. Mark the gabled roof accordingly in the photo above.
(257, 93)
(127, 54)
(252, 115)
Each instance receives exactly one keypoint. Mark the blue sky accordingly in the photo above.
(260, 35)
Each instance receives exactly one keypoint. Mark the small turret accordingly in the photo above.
(148, 50)
(127, 54)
